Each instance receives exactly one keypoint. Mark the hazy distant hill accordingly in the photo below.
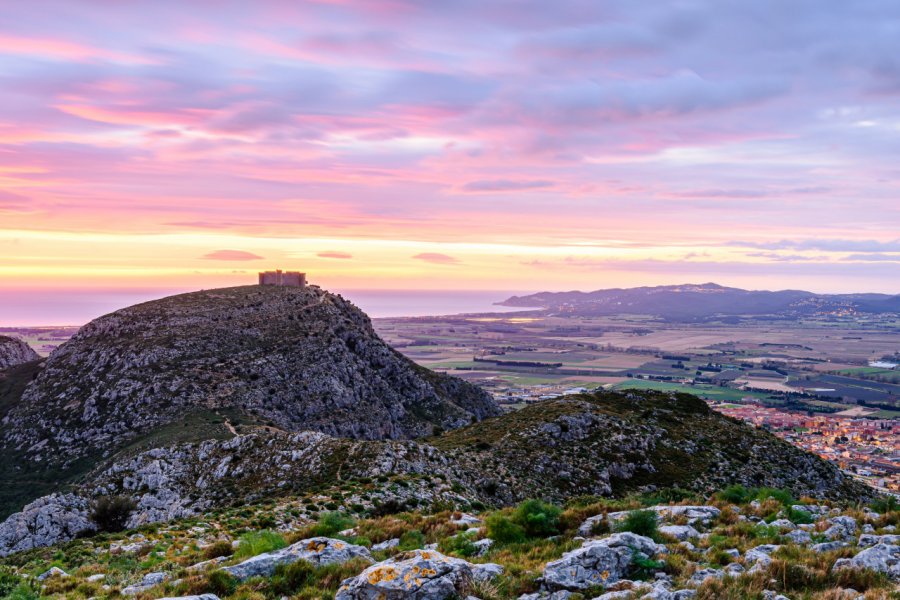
(706, 301)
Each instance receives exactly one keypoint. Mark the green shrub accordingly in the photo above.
(537, 518)
(289, 579)
(460, 545)
(411, 540)
(885, 504)
(782, 496)
(8, 581)
(503, 531)
(332, 522)
(643, 567)
(736, 494)
(110, 513)
(799, 516)
(221, 583)
(641, 522)
(257, 542)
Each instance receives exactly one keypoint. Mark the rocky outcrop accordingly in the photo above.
(598, 562)
(318, 551)
(14, 351)
(46, 521)
(883, 558)
(293, 358)
(664, 514)
(416, 575)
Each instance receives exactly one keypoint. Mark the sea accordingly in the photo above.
(76, 307)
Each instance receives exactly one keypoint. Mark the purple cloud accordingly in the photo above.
(505, 185)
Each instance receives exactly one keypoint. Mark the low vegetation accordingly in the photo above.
(525, 538)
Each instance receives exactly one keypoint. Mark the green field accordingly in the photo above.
(712, 392)
(866, 371)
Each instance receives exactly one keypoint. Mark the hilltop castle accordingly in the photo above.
(283, 278)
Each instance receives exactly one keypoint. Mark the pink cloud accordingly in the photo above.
(436, 258)
(232, 255)
(335, 254)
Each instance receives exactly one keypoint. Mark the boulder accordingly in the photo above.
(680, 532)
(759, 557)
(783, 524)
(799, 536)
(52, 572)
(149, 580)
(867, 540)
(317, 550)
(827, 546)
(598, 562)
(416, 575)
(466, 519)
(199, 597)
(884, 558)
(702, 575)
(44, 522)
(386, 545)
(842, 528)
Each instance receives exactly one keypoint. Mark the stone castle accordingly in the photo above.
(282, 278)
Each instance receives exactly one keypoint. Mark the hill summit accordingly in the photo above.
(290, 358)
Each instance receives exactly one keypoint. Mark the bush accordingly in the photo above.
(641, 522)
(782, 496)
(644, 567)
(411, 540)
(289, 579)
(332, 522)
(110, 513)
(503, 531)
(8, 582)
(218, 549)
(537, 518)
(221, 583)
(461, 545)
(257, 542)
(390, 507)
(736, 494)
(799, 516)
(885, 504)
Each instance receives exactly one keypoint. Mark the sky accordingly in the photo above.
(468, 145)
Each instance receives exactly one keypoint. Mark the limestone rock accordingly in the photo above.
(416, 575)
(46, 521)
(598, 562)
(680, 532)
(884, 558)
(317, 550)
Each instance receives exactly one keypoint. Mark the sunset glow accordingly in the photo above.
(430, 145)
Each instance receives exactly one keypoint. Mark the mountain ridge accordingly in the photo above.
(693, 302)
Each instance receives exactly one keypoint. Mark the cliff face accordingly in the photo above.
(293, 358)
(14, 352)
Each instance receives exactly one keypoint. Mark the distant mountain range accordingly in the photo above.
(708, 301)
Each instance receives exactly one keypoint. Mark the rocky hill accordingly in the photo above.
(15, 352)
(607, 444)
(298, 359)
(702, 302)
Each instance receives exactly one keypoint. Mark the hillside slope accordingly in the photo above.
(607, 444)
(14, 352)
(192, 366)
